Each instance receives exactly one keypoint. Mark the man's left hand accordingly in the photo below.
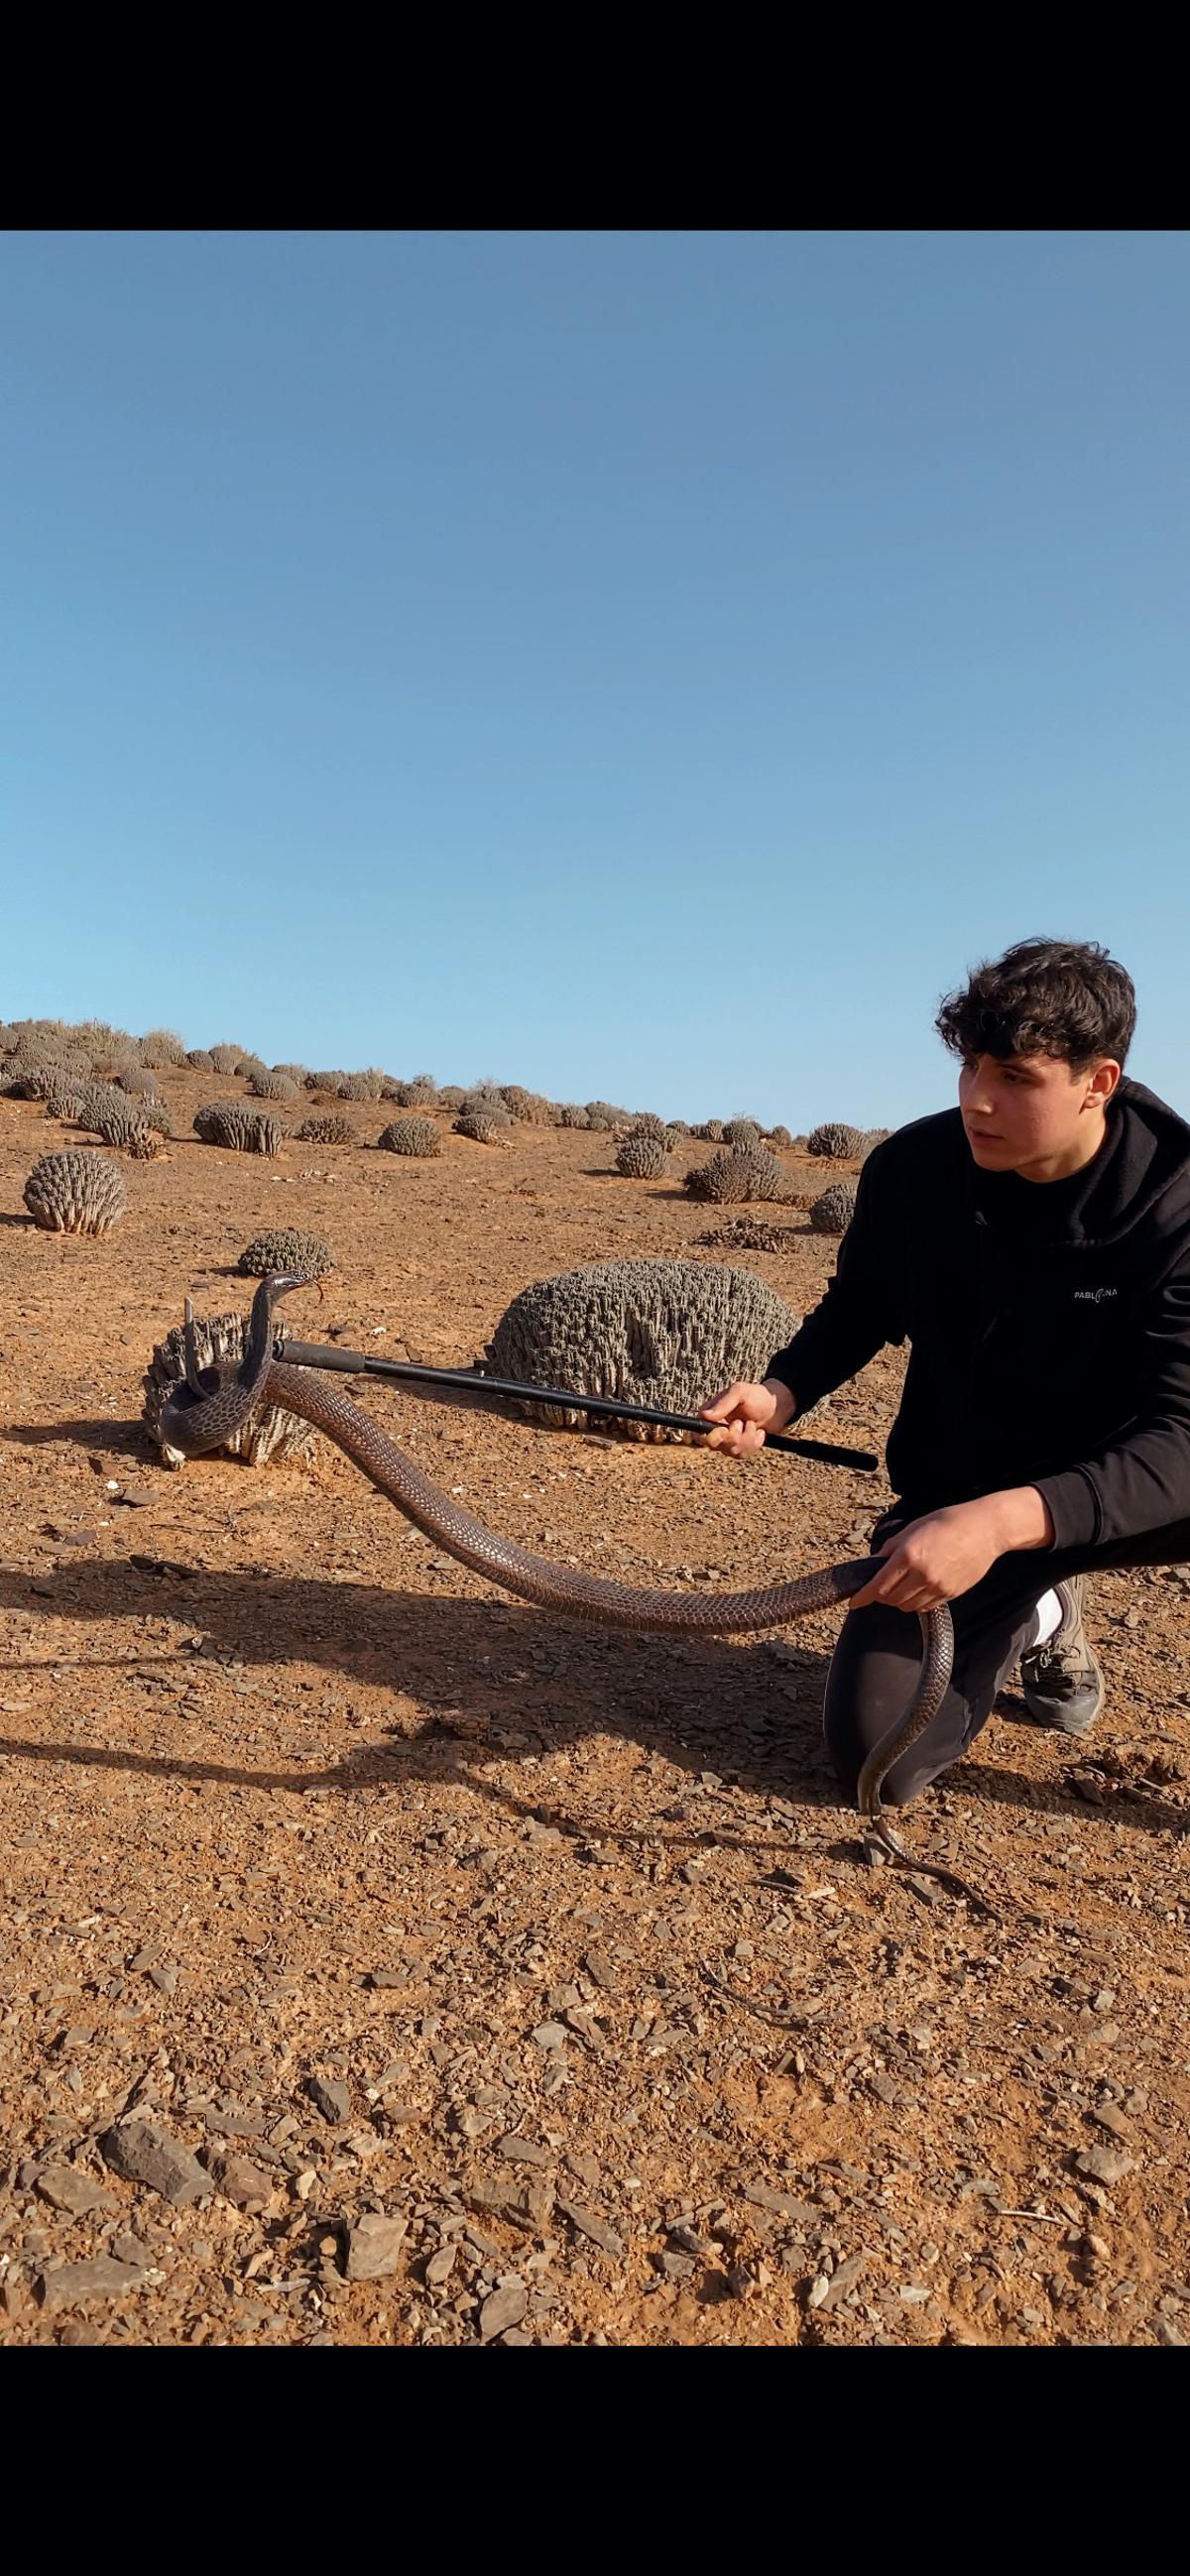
(934, 1559)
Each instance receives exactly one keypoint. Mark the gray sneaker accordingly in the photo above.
(1063, 1683)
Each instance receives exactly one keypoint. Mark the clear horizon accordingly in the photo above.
(646, 665)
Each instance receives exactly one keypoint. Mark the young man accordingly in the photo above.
(1033, 1248)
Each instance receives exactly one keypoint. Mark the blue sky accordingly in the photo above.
(642, 664)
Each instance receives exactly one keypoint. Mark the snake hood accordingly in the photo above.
(1049, 1326)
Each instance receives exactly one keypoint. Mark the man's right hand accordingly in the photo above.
(744, 1412)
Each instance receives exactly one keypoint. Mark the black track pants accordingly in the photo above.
(878, 1656)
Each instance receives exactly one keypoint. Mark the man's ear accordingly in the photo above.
(1103, 1082)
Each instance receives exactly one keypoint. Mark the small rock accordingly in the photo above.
(784, 2204)
(102, 2278)
(440, 2266)
(1104, 2164)
(502, 2309)
(374, 2247)
(143, 2152)
(585, 2222)
(523, 2151)
(1105, 2116)
(842, 2281)
(241, 2182)
(548, 2035)
(66, 2188)
(333, 2100)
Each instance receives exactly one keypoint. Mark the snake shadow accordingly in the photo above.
(490, 1677)
(493, 1670)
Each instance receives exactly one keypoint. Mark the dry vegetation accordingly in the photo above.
(450, 1974)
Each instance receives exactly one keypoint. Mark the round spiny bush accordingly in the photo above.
(710, 1132)
(602, 1116)
(156, 1114)
(241, 1130)
(668, 1333)
(225, 1058)
(138, 1082)
(324, 1131)
(641, 1156)
(412, 1136)
(646, 1122)
(161, 1047)
(367, 1085)
(29, 1080)
(99, 1100)
(679, 1127)
(201, 1060)
(272, 1086)
(272, 1433)
(420, 1093)
(833, 1212)
(741, 1131)
(571, 1115)
(834, 1141)
(451, 1096)
(132, 1136)
(78, 1192)
(746, 1172)
(485, 1100)
(483, 1128)
(325, 1081)
(296, 1072)
(529, 1108)
(65, 1103)
(780, 1136)
(303, 1256)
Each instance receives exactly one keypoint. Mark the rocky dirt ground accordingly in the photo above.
(382, 1961)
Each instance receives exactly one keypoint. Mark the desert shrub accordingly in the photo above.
(237, 1127)
(484, 1127)
(272, 1433)
(653, 1332)
(641, 1156)
(268, 1085)
(741, 1131)
(571, 1115)
(138, 1082)
(834, 1141)
(324, 1131)
(78, 1192)
(367, 1085)
(226, 1058)
(743, 1172)
(161, 1047)
(833, 1212)
(201, 1060)
(412, 1136)
(287, 1249)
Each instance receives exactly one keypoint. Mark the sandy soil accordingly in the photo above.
(390, 1900)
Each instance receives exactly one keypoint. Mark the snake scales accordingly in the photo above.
(203, 1412)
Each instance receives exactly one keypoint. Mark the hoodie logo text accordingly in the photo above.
(1094, 1296)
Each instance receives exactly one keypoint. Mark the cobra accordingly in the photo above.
(203, 1410)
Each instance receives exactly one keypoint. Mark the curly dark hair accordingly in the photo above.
(1059, 997)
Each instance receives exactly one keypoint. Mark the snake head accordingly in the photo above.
(206, 1409)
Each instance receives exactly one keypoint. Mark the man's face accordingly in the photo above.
(1030, 1113)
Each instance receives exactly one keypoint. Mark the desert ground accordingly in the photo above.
(461, 1976)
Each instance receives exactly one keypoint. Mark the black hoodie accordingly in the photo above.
(1049, 1322)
